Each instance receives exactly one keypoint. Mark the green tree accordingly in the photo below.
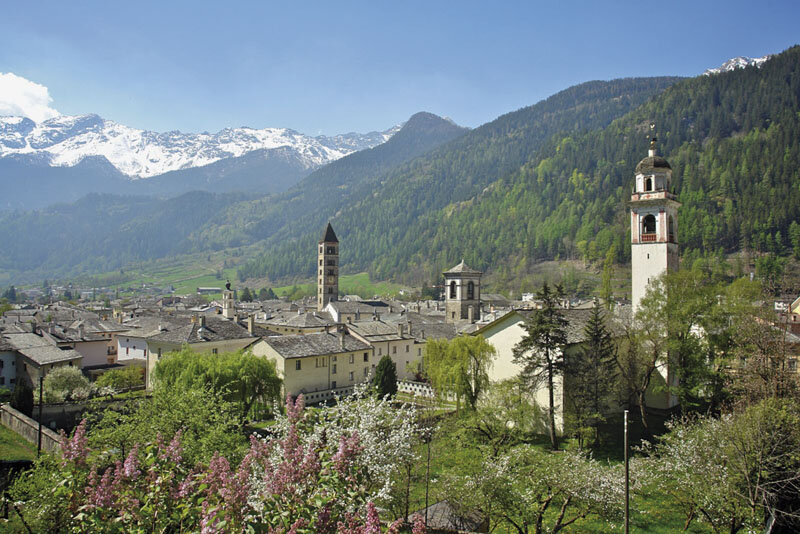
(459, 366)
(606, 291)
(385, 379)
(120, 379)
(591, 369)
(66, 383)
(246, 296)
(22, 398)
(240, 377)
(541, 350)
(10, 294)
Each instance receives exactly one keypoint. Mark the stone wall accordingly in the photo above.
(29, 429)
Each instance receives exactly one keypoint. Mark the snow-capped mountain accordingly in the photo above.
(737, 63)
(65, 141)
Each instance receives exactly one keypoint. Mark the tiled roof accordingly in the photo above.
(377, 331)
(215, 329)
(330, 235)
(315, 344)
(462, 268)
(364, 306)
(40, 350)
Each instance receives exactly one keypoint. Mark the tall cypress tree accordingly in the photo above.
(385, 379)
(591, 370)
(541, 350)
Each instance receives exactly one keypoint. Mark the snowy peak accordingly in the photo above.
(738, 63)
(66, 140)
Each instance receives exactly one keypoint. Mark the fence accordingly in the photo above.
(415, 388)
(29, 429)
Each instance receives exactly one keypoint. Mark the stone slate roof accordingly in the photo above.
(377, 331)
(364, 306)
(444, 517)
(314, 344)
(576, 323)
(462, 268)
(40, 350)
(97, 326)
(651, 163)
(300, 320)
(5, 346)
(216, 329)
(330, 236)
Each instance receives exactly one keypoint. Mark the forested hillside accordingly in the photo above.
(376, 215)
(732, 141)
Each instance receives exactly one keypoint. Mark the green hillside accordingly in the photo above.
(732, 140)
(372, 219)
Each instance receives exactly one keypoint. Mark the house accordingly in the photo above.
(392, 340)
(320, 365)
(37, 356)
(8, 364)
(343, 312)
(507, 331)
(299, 322)
(199, 334)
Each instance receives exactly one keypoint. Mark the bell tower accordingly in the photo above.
(462, 294)
(654, 223)
(328, 269)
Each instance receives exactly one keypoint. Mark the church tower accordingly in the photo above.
(654, 223)
(328, 275)
(462, 294)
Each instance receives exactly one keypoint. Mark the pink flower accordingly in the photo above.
(419, 525)
(75, 448)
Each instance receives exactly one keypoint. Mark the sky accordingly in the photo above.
(323, 67)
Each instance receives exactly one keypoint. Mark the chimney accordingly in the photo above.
(400, 329)
(251, 324)
(341, 339)
(235, 317)
(470, 314)
(194, 318)
(81, 331)
(409, 328)
(358, 314)
(202, 320)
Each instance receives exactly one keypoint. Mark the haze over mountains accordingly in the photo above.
(542, 182)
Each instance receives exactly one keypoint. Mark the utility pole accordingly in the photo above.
(41, 400)
(627, 478)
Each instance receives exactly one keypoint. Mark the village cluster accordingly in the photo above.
(323, 346)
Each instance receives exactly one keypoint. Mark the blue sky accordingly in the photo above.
(332, 67)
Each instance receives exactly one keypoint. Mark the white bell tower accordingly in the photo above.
(654, 223)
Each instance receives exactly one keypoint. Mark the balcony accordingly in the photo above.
(649, 238)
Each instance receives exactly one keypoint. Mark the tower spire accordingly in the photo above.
(653, 139)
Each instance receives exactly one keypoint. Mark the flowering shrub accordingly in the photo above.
(293, 484)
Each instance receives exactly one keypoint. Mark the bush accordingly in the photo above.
(121, 379)
(66, 383)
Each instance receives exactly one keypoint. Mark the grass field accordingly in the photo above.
(349, 284)
(15, 447)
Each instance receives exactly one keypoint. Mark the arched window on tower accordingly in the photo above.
(648, 184)
(649, 228)
(453, 289)
(671, 229)
(470, 290)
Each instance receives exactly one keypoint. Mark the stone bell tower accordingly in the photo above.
(462, 294)
(328, 269)
(654, 223)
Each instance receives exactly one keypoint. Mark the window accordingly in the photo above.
(12, 380)
(320, 264)
(159, 352)
(453, 289)
(330, 272)
(297, 365)
(648, 184)
(419, 351)
(394, 349)
(334, 358)
(366, 356)
(333, 371)
(351, 376)
(380, 352)
(213, 351)
(127, 350)
(330, 290)
(649, 224)
(366, 371)
(2, 380)
(331, 263)
(453, 315)
(333, 384)
(145, 352)
(671, 229)
(352, 358)
(331, 250)
(1, 364)
(320, 250)
(470, 290)
(792, 365)
(320, 273)
(407, 348)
